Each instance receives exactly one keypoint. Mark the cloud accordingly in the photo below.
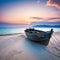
(55, 3)
(54, 19)
(37, 18)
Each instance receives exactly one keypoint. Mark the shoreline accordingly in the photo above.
(17, 34)
(10, 34)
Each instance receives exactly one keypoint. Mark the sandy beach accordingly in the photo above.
(18, 47)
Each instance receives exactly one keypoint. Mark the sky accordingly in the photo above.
(27, 11)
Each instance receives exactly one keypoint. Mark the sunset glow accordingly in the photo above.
(20, 11)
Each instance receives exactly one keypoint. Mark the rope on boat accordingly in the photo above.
(56, 44)
(55, 39)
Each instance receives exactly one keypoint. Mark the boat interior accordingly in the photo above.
(34, 31)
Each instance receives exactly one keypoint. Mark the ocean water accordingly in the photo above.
(11, 30)
(21, 30)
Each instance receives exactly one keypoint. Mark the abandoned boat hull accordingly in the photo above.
(36, 35)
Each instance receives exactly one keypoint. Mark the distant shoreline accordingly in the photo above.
(44, 27)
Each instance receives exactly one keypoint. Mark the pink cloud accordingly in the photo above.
(37, 18)
(55, 3)
(46, 19)
(58, 18)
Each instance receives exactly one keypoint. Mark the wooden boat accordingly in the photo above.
(38, 35)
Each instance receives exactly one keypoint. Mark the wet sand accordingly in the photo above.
(18, 47)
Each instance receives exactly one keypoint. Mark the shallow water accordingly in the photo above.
(11, 30)
(21, 30)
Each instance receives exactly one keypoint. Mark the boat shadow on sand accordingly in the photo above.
(45, 46)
